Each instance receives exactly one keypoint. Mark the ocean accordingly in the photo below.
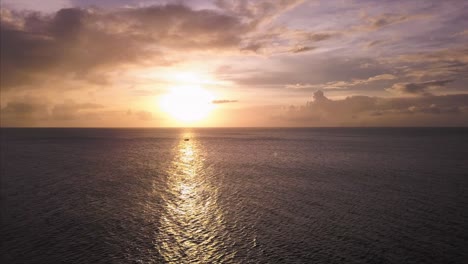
(234, 195)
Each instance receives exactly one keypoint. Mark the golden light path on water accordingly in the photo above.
(192, 225)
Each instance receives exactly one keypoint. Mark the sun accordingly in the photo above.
(188, 103)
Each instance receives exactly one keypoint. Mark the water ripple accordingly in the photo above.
(192, 228)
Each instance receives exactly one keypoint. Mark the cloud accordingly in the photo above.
(302, 49)
(421, 88)
(374, 43)
(255, 46)
(433, 109)
(30, 111)
(376, 111)
(388, 19)
(455, 54)
(381, 77)
(23, 112)
(257, 12)
(447, 63)
(343, 84)
(296, 70)
(292, 40)
(318, 36)
(45, 6)
(463, 33)
(223, 101)
(279, 39)
(269, 38)
(70, 110)
(86, 44)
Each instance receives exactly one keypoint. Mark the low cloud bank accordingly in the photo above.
(430, 110)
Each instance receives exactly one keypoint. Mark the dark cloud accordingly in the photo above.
(86, 43)
(71, 110)
(223, 101)
(365, 110)
(319, 36)
(252, 47)
(374, 43)
(30, 111)
(292, 40)
(448, 63)
(266, 36)
(26, 111)
(299, 69)
(23, 113)
(302, 49)
(58, 46)
(388, 19)
(319, 96)
(421, 88)
(257, 12)
(180, 26)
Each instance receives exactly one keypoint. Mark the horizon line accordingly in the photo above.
(233, 127)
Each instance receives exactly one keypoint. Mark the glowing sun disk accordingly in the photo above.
(187, 103)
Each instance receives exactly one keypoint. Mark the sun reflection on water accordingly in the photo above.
(192, 225)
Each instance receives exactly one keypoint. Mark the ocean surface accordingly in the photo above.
(318, 195)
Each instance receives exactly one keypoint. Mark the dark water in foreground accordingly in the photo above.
(234, 195)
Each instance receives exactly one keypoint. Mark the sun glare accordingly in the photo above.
(187, 103)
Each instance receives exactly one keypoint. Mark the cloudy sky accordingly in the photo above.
(111, 63)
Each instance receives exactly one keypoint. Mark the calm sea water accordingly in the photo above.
(370, 195)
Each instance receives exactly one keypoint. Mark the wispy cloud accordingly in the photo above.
(224, 101)
(342, 84)
(422, 88)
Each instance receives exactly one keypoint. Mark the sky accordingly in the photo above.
(221, 63)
